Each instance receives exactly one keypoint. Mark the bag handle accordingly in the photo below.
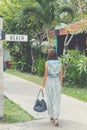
(40, 92)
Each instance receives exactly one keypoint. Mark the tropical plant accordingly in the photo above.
(82, 69)
(39, 66)
(75, 68)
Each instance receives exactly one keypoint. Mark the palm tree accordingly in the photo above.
(32, 18)
(47, 13)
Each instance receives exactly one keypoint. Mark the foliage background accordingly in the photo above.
(35, 17)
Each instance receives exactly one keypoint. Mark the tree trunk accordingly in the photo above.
(66, 43)
(81, 10)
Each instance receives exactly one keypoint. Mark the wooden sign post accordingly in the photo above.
(9, 37)
(1, 72)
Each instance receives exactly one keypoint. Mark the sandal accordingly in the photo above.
(52, 119)
(56, 123)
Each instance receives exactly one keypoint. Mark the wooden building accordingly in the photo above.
(78, 41)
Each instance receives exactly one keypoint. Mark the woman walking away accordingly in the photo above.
(53, 81)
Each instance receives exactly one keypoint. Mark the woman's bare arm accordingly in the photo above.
(45, 76)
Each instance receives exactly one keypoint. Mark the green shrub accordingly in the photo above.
(82, 69)
(39, 66)
(75, 68)
(22, 65)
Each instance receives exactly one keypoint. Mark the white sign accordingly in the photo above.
(17, 38)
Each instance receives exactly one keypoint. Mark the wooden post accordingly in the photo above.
(57, 42)
(1, 73)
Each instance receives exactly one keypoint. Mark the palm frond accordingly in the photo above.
(67, 9)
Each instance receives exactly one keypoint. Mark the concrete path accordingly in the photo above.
(73, 112)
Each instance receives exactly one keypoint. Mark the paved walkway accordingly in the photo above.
(73, 112)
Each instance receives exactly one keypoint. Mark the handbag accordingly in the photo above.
(40, 105)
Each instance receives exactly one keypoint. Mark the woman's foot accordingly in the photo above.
(52, 119)
(56, 122)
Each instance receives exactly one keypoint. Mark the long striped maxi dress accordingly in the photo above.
(53, 88)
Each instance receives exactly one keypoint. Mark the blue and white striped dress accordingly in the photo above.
(53, 88)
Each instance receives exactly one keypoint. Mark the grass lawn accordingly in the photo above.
(78, 93)
(14, 113)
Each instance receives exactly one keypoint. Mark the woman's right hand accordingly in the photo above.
(41, 88)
